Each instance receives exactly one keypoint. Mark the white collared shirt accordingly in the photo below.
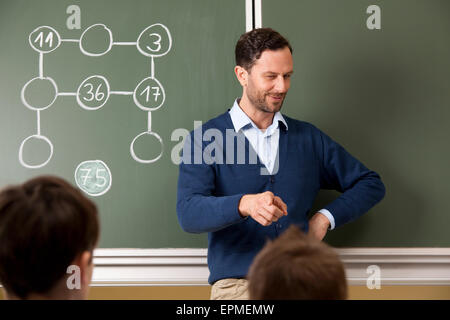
(265, 143)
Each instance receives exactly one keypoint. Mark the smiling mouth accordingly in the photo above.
(277, 98)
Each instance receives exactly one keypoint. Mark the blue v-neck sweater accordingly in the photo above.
(309, 160)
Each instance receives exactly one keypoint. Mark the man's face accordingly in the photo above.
(269, 80)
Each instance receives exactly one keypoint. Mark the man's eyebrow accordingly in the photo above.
(269, 72)
(274, 73)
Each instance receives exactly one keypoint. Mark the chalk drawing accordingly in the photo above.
(93, 93)
(93, 177)
(93, 90)
(29, 104)
(149, 94)
(37, 166)
(149, 41)
(133, 154)
(44, 39)
(97, 27)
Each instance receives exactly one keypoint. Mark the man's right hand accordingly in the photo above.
(264, 208)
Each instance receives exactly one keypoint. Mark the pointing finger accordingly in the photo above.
(280, 204)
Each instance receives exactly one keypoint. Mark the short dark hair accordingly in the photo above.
(45, 224)
(251, 45)
(297, 266)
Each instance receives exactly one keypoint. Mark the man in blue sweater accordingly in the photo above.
(271, 177)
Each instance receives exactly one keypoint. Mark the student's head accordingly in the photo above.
(297, 266)
(264, 66)
(46, 225)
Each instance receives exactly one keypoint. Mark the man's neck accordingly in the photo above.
(262, 119)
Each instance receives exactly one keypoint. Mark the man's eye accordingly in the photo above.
(287, 76)
(271, 77)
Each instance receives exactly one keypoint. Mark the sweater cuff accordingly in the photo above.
(230, 209)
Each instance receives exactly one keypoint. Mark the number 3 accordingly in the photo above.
(157, 42)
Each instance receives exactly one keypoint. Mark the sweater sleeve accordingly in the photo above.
(198, 209)
(361, 188)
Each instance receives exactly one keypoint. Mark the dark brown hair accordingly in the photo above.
(297, 266)
(251, 45)
(45, 224)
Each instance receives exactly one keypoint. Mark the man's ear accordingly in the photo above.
(241, 75)
(84, 261)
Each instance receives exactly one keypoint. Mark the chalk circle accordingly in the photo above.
(93, 177)
(32, 81)
(154, 41)
(90, 95)
(97, 27)
(133, 154)
(149, 94)
(43, 36)
(30, 166)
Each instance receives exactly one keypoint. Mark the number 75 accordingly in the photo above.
(97, 177)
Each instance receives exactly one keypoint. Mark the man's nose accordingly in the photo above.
(281, 85)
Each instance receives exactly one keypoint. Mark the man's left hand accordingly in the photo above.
(318, 226)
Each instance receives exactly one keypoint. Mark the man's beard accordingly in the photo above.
(260, 102)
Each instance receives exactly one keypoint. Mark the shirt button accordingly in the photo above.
(272, 179)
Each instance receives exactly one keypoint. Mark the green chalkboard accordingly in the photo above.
(108, 73)
(384, 94)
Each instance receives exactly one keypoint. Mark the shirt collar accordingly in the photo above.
(241, 120)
